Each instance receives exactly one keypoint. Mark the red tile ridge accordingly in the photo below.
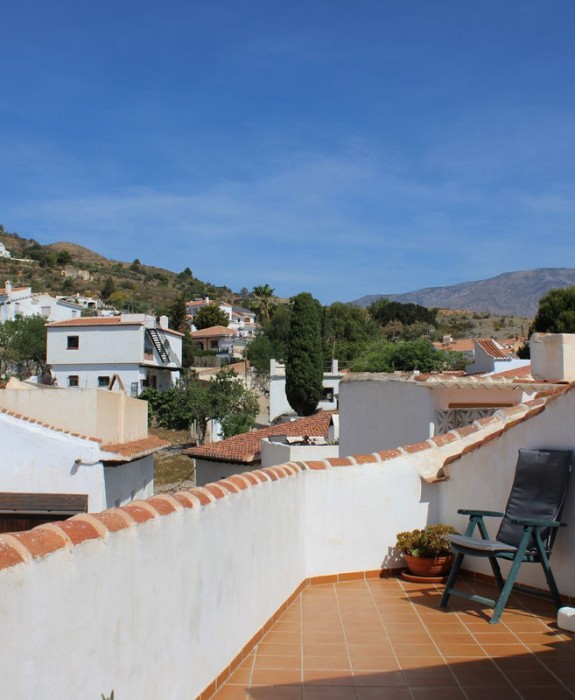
(134, 449)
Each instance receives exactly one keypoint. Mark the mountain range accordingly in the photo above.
(508, 294)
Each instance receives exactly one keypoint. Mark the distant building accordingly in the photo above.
(21, 301)
(124, 353)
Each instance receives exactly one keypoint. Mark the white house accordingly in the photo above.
(68, 451)
(381, 411)
(4, 252)
(242, 321)
(126, 353)
(279, 404)
(490, 357)
(20, 301)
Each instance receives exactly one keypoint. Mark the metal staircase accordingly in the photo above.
(161, 344)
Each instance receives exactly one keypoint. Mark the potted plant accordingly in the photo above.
(426, 551)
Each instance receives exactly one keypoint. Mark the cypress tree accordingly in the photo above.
(304, 363)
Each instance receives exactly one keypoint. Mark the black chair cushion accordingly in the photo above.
(538, 491)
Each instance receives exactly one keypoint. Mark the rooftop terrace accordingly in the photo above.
(178, 596)
(386, 639)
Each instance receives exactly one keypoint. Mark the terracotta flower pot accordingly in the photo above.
(429, 566)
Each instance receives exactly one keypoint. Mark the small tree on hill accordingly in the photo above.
(304, 362)
(210, 315)
(556, 312)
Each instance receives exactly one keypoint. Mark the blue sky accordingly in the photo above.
(342, 148)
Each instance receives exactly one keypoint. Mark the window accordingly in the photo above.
(327, 394)
(46, 311)
(73, 380)
(73, 342)
(103, 382)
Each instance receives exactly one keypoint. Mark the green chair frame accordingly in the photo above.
(523, 536)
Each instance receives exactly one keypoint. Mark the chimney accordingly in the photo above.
(553, 357)
(164, 323)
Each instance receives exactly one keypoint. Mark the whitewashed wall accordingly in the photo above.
(379, 413)
(273, 453)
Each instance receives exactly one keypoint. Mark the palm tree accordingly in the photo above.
(263, 301)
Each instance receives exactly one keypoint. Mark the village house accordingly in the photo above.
(192, 594)
(303, 438)
(125, 353)
(20, 301)
(70, 451)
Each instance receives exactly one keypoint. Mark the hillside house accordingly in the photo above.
(123, 353)
(278, 403)
(304, 549)
(20, 301)
(217, 338)
(70, 451)
(491, 357)
(265, 448)
(374, 406)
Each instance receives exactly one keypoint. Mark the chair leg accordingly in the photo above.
(508, 586)
(550, 578)
(451, 579)
(499, 580)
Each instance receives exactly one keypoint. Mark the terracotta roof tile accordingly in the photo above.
(517, 373)
(213, 331)
(245, 448)
(493, 349)
(127, 451)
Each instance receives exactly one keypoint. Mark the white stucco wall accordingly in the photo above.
(38, 460)
(95, 413)
(273, 453)
(379, 413)
(127, 482)
(116, 344)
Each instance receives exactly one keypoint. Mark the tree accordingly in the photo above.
(304, 362)
(263, 302)
(385, 311)
(556, 312)
(406, 356)
(224, 398)
(178, 315)
(23, 346)
(210, 315)
(108, 289)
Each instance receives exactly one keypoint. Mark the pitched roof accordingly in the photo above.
(245, 448)
(523, 372)
(135, 449)
(493, 349)
(456, 345)
(95, 321)
(212, 332)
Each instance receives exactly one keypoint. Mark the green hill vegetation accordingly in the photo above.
(68, 268)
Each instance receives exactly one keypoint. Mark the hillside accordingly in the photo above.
(511, 293)
(65, 268)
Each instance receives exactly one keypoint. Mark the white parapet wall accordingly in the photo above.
(156, 599)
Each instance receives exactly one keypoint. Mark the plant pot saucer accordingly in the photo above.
(412, 578)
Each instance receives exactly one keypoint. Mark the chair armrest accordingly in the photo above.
(530, 522)
(487, 513)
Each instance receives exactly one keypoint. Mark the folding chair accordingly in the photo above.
(527, 532)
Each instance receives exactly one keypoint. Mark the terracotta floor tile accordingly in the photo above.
(428, 649)
(382, 693)
(278, 649)
(386, 639)
(317, 692)
(373, 663)
(458, 650)
(327, 677)
(413, 662)
(241, 676)
(492, 692)
(333, 663)
(547, 692)
(275, 677)
(278, 662)
(286, 692)
(232, 692)
(445, 693)
(393, 676)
